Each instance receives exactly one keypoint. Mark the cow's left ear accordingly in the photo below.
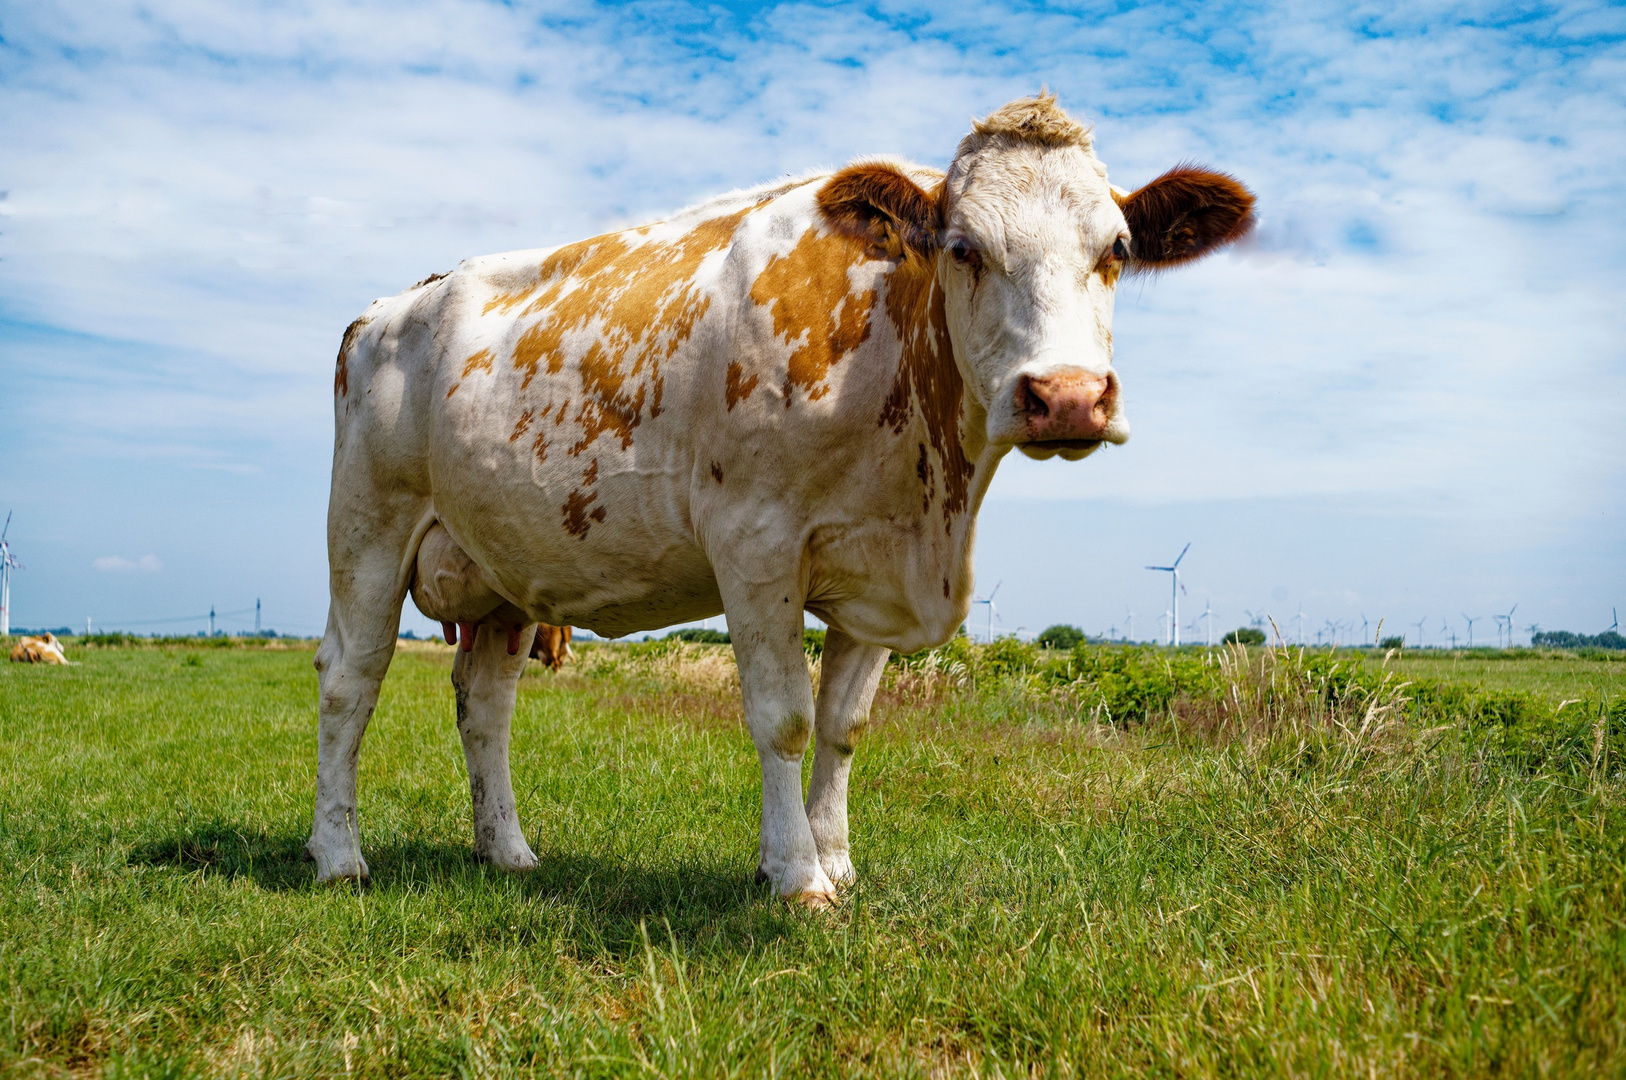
(881, 206)
(1183, 215)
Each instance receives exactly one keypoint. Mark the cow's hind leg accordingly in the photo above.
(368, 587)
(849, 674)
(486, 679)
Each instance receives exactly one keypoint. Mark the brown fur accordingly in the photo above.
(876, 203)
(1185, 214)
(551, 645)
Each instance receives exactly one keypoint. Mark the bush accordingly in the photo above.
(812, 641)
(1395, 642)
(1244, 635)
(700, 636)
(1566, 639)
(1061, 636)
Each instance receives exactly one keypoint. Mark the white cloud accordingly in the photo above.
(117, 564)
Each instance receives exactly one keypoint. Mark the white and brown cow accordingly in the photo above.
(788, 399)
(44, 649)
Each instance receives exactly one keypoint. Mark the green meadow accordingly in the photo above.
(1106, 862)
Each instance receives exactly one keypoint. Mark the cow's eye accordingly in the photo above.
(1120, 248)
(961, 251)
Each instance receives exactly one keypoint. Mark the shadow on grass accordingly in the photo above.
(606, 897)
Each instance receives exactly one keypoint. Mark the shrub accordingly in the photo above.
(1244, 635)
(1061, 636)
(700, 636)
(812, 641)
(1395, 642)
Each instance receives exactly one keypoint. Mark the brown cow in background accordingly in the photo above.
(552, 645)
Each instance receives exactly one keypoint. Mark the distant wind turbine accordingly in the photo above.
(1510, 624)
(8, 563)
(1419, 624)
(1470, 620)
(1208, 613)
(989, 600)
(1174, 592)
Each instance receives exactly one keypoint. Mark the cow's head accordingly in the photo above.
(1029, 241)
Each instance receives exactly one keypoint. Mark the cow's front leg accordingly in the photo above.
(849, 674)
(767, 633)
(486, 679)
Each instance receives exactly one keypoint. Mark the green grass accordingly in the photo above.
(1039, 892)
(1552, 675)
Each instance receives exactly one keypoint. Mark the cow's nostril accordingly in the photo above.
(1029, 400)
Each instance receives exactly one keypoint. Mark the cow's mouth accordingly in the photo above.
(1071, 449)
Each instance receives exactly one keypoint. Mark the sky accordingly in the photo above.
(1404, 398)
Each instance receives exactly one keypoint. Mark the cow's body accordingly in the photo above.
(44, 649)
(756, 408)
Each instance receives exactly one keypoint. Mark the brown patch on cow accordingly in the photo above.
(790, 737)
(717, 472)
(341, 367)
(430, 280)
(590, 474)
(1183, 215)
(630, 305)
(735, 385)
(522, 425)
(814, 309)
(576, 515)
(539, 445)
(945, 589)
(928, 383)
(923, 469)
(480, 361)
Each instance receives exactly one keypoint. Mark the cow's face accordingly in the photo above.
(1029, 241)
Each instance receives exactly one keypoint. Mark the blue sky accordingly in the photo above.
(1403, 398)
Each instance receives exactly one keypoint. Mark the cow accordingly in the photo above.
(552, 646)
(789, 399)
(44, 649)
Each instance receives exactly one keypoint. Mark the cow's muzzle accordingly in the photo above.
(1069, 410)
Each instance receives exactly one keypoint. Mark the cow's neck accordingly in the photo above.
(930, 390)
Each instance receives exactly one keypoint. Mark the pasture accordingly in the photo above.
(1103, 863)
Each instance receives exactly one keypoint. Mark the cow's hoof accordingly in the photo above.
(349, 867)
(814, 901)
(512, 862)
(838, 867)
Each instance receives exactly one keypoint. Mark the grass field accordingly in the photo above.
(1286, 881)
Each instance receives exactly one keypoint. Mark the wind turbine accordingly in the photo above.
(1208, 613)
(1510, 627)
(1470, 620)
(1612, 614)
(1364, 625)
(1300, 619)
(1174, 592)
(1129, 625)
(989, 600)
(1419, 624)
(7, 563)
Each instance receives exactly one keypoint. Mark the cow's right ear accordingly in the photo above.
(1183, 215)
(881, 206)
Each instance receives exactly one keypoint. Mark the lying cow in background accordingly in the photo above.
(791, 398)
(552, 645)
(44, 649)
